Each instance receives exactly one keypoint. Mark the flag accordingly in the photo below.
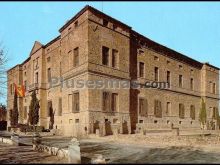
(20, 91)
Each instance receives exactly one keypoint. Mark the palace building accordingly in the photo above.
(94, 46)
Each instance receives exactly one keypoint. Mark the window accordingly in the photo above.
(156, 74)
(36, 77)
(213, 88)
(106, 101)
(114, 27)
(114, 102)
(76, 57)
(180, 81)
(192, 112)
(11, 89)
(168, 78)
(114, 58)
(180, 66)
(25, 112)
(49, 75)
(141, 69)
(70, 101)
(76, 24)
(157, 108)
(181, 111)
(191, 84)
(48, 59)
(143, 107)
(105, 55)
(25, 85)
(156, 58)
(36, 63)
(25, 73)
(49, 108)
(60, 69)
(168, 109)
(105, 22)
(76, 102)
(214, 113)
(168, 62)
(60, 107)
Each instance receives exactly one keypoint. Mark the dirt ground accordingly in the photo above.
(124, 149)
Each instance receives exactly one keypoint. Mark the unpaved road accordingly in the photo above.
(130, 153)
(112, 151)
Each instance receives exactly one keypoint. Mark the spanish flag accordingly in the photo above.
(20, 91)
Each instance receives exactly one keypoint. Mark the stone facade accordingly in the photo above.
(77, 54)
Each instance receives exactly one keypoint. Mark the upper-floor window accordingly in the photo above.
(191, 83)
(180, 66)
(180, 81)
(114, 27)
(213, 88)
(156, 58)
(156, 74)
(168, 78)
(105, 22)
(36, 77)
(49, 74)
(114, 58)
(76, 57)
(76, 24)
(25, 85)
(48, 59)
(105, 55)
(36, 62)
(11, 89)
(141, 69)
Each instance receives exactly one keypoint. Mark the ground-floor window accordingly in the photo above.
(109, 102)
(157, 108)
(143, 107)
(192, 112)
(181, 111)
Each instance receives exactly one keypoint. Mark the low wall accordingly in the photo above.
(7, 141)
(62, 153)
(72, 154)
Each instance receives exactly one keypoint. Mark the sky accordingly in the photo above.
(191, 28)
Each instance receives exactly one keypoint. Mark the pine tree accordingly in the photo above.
(34, 110)
(202, 114)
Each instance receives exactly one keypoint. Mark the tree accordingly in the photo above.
(34, 110)
(3, 81)
(202, 114)
(14, 112)
(3, 112)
